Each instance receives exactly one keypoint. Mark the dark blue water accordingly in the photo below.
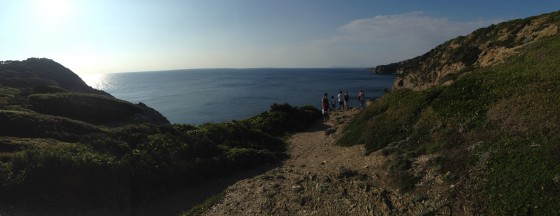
(217, 95)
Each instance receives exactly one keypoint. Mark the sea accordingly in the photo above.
(198, 96)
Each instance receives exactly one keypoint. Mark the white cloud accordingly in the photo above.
(410, 25)
(385, 39)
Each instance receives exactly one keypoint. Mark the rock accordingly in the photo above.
(297, 188)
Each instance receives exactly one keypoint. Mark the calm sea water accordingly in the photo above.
(216, 95)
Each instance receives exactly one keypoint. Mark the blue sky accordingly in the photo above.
(106, 36)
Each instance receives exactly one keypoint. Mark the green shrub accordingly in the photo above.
(388, 120)
(522, 178)
(90, 108)
(49, 172)
(283, 118)
(30, 124)
(130, 164)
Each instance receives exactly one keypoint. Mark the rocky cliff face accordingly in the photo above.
(484, 47)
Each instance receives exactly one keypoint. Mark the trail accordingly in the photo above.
(319, 178)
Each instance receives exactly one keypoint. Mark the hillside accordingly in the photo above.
(42, 73)
(40, 87)
(482, 48)
(480, 114)
(66, 147)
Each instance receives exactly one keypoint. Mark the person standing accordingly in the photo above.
(362, 99)
(325, 107)
(333, 103)
(340, 100)
(346, 100)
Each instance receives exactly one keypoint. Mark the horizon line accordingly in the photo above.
(243, 68)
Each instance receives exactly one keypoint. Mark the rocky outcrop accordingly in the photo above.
(484, 47)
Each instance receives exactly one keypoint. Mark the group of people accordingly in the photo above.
(343, 101)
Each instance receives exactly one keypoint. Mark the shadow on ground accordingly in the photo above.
(185, 199)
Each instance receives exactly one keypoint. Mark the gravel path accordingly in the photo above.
(320, 178)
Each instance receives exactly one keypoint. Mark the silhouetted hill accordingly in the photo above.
(42, 72)
(46, 87)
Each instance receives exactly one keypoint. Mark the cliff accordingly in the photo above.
(482, 48)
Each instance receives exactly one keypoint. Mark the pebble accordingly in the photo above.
(297, 188)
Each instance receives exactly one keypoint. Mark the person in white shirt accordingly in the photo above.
(340, 100)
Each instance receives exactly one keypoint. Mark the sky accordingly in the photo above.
(108, 36)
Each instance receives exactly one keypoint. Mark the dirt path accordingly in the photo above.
(320, 178)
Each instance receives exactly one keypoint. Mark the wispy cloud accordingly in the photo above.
(415, 25)
(388, 38)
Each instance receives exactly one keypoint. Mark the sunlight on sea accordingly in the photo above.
(94, 80)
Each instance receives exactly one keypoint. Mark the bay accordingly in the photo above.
(197, 96)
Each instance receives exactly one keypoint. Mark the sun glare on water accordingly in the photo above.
(93, 80)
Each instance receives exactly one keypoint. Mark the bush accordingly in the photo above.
(49, 172)
(388, 120)
(29, 124)
(84, 107)
(283, 118)
(522, 179)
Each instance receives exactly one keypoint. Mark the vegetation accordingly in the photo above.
(116, 166)
(495, 128)
(460, 55)
(91, 108)
(502, 120)
(63, 144)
